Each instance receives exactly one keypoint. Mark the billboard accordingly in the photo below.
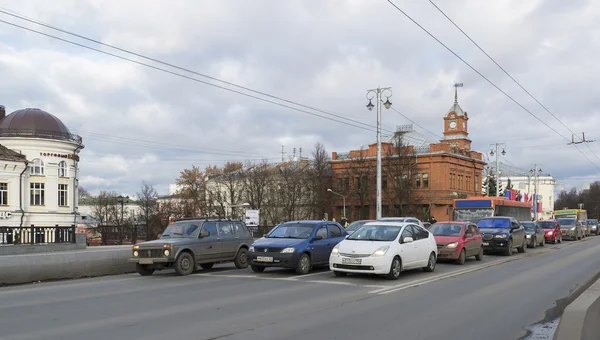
(252, 218)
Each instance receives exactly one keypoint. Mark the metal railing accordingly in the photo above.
(37, 235)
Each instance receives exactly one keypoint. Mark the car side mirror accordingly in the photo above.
(159, 236)
(318, 237)
(204, 234)
(407, 240)
(265, 235)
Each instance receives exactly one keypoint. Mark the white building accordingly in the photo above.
(38, 169)
(523, 181)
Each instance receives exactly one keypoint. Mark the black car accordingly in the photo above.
(502, 234)
(535, 234)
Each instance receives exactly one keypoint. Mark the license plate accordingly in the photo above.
(146, 261)
(351, 261)
(486, 243)
(264, 259)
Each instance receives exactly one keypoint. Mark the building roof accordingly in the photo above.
(457, 109)
(35, 123)
(7, 154)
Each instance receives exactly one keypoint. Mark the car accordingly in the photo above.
(571, 228)
(427, 225)
(185, 244)
(385, 248)
(457, 241)
(354, 226)
(534, 233)
(552, 231)
(587, 230)
(502, 234)
(297, 245)
(593, 223)
(402, 219)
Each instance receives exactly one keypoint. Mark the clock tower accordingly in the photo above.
(456, 125)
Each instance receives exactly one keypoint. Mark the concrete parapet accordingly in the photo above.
(80, 243)
(581, 319)
(97, 261)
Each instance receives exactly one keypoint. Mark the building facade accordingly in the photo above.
(439, 173)
(39, 173)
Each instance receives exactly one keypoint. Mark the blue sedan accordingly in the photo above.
(297, 245)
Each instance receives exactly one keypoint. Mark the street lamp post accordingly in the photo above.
(535, 172)
(343, 198)
(370, 95)
(497, 147)
(122, 200)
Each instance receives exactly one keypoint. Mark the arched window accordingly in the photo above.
(36, 167)
(62, 169)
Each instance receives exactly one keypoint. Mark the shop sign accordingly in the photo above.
(60, 155)
(5, 215)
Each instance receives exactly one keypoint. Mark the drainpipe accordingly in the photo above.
(75, 185)
(21, 193)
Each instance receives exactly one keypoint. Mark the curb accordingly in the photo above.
(580, 318)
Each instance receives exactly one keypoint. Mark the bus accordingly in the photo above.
(476, 208)
(579, 214)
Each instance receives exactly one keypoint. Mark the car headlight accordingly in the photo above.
(528, 236)
(452, 245)
(550, 232)
(166, 252)
(288, 250)
(501, 236)
(251, 248)
(335, 250)
(135, 253)
(573, 228)
(381, 251)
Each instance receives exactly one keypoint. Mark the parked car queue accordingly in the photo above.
(383, 247)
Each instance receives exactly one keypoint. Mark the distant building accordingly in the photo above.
(442, 171)
(39, 170)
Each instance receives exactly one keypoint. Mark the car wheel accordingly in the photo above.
(184, 265)
(206, 265)
(533, 243)
(462, 257)
(479, 256)
(143, 269)
(543, 243)
(508, 250)
(523, 247)
(395, 269)
(257, 269)
(339, 274)
(303, 266)
(430, 263)
(241, 259)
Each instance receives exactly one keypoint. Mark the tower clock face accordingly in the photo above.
(453, 124)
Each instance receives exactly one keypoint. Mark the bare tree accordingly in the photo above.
(360, 173)
(256, 181)
(232, 180)
(147, 200)
(397, 169)
(83, 194)
(192, 184)
(105, 209)
(319, 180)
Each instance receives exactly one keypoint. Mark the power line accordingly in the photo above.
(176, 67)
(372, 129)
(417, 124)
(487, 79)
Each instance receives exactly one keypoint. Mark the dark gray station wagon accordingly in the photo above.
(185, 244)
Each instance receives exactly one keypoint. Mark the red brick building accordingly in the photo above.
(437, 173)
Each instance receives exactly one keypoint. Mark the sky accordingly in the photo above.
(143, 124)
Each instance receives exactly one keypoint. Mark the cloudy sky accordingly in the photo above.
(140, 123)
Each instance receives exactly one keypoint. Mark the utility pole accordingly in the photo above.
(282, 153)
(300, 153)
(535, 172)
(372, 93)
(583, 140)
(496, 147)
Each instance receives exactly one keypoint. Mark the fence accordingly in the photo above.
(37, 235)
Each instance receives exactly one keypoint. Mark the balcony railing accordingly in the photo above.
(41, 134)
(37, 235)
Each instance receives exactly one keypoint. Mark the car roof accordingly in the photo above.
(497, 218)
(309, 222)
(388, 223)
(455, 222)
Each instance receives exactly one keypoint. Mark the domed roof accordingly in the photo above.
(35, 123)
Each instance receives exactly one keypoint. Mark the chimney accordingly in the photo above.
(2, 112)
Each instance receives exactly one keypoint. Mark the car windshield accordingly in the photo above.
(354, 226)
(592, 222)
(472, 214)
(446, 229)
(528, 225)
(180, 229)
(375, 233)
(546, 225)
(292, 230)
(566, 221)
(392, 219)
(494, 223)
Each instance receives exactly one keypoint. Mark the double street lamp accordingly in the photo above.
(343, 198)
(535, 172)
(370, 95)
(122, 200)
(497, 147)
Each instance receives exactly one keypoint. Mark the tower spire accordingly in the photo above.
(456, 86)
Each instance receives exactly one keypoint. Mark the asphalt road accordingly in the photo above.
(493, 299)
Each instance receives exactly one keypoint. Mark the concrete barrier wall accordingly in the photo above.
(97, 261)
(80, 243)
(581, 319)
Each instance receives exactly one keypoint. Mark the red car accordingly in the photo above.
(552, 231)
(457, 240)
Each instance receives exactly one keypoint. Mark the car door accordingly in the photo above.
(540, 233)
(320, 248)
(408, 251)
(422, 245)
(470, 246)
(208, 248)
(477, 239)
(518, 233)
(227, 239)
(335, 236)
